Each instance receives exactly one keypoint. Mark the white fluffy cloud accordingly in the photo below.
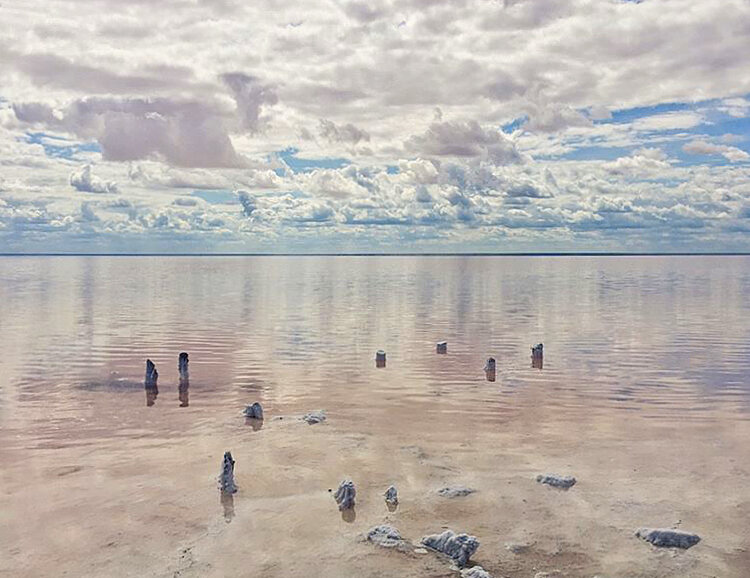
(86, 181)
(464, 124)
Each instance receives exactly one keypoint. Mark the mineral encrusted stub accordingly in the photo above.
(475, 572)
(254, 411)
(182, 365)
(562, 482)
(490, 365)
(455, 491)
(151, 374)
(458, 547)
(314, 417)
(226, 478)
(385, 536)
(537, 350)
(391, 495)
(666, 538)
(345, 495)
(442, 347)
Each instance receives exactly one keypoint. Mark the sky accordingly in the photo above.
(349, 126)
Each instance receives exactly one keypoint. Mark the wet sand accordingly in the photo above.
(95, 483)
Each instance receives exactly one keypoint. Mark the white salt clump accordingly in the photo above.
(344, 496)
(562, 482)
(391, 495)
(254, 411)
(226, 478)
(666, 538)
(385, 536)
(314, 417)
(475, 572)
(455, 491)
(459, 547)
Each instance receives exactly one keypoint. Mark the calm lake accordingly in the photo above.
(643, 396)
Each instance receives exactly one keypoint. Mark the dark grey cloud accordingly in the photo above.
(251, 95)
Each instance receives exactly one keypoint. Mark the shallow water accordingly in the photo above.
(644, 395)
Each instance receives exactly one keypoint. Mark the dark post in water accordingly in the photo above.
(184, 386)
(151, 387)
(489, 369)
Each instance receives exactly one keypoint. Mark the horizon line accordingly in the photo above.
(391, 254)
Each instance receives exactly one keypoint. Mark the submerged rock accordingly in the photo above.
(226, 478)
(345, 495)
(666, 538)
(562, 482)
(517, 547)
(254, 411)
(315, 417)
(475, 572)
(442, 347)
(391, 495)
(385, 536)
(455, 491)
(459, 547)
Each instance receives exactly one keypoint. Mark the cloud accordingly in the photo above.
(347, 133)
(702, 147)
(86, 181)
(248, 203)
(251, 95)
(466, 140)
(544, 123)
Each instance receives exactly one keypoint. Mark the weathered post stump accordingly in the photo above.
(226, 477)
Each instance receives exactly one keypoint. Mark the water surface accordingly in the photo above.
(640, 353)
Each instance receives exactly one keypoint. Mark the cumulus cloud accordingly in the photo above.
(251, 95)
(181, 133)
(466, 140)
(468, 120)
(702, 147)
(347, 133)
(644, 161)
(86, 181)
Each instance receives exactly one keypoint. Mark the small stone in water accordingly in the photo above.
(314, 417)
(666, 538)
(391, 495)
(475, 572)
(459, 547)
(385, 536)
(562, 482)
(254, 411)
(455, 491)
(516, 548)
(344, 496)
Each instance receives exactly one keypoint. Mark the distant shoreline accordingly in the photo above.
(558, 254)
